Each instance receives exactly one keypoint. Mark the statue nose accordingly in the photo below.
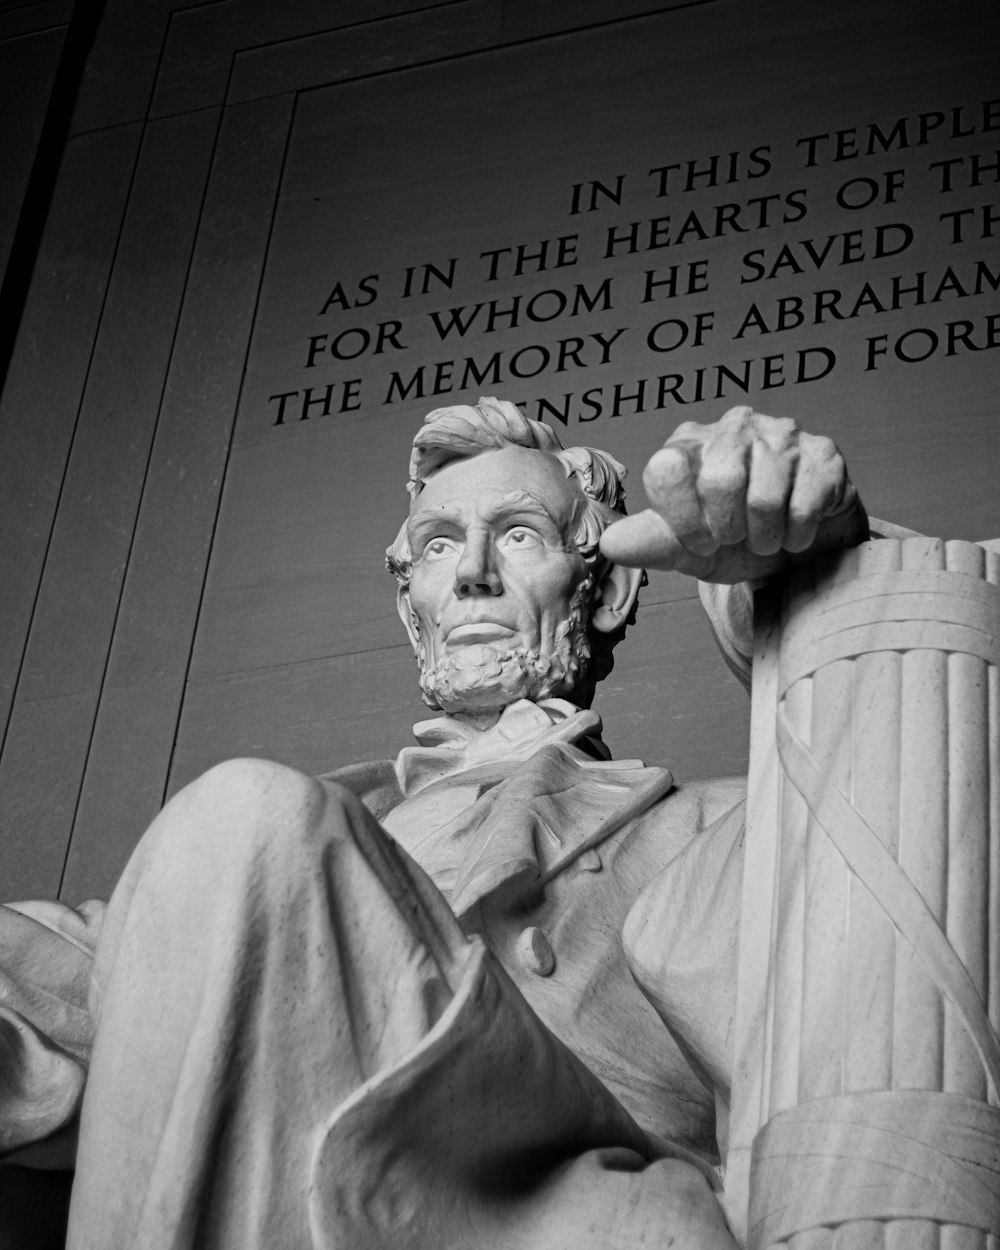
(476, 573)
(488, 585)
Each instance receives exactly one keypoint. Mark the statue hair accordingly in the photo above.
(462, 431)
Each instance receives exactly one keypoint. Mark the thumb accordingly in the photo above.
(646, 540)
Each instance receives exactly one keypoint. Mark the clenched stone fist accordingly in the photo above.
(738, 499)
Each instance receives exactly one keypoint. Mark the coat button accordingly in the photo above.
(535, 953)
(589, 861)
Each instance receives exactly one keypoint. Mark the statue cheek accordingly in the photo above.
(427, 594)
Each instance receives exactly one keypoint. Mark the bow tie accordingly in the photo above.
(448, 745)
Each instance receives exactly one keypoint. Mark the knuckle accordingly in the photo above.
(765, 506)
(738, 419)
(830, 475)
(722, 479)
(822, 450)
(802, 513)
(778, 434)
(688, 430)
(828, 450)
(769, 492)
(666, 468)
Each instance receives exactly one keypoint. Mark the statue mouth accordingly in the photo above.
(473, 632)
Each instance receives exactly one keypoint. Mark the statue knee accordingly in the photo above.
(240, 806)
(254, 781)
(245, 820)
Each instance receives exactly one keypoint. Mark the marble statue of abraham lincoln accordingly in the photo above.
(480, 995)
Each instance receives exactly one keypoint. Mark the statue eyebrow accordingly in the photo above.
(424, 524)
(519, 501)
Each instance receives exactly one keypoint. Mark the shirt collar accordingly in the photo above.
(447, 745)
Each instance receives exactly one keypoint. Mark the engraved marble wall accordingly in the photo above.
(762, 203)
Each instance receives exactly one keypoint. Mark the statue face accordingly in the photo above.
(499, 592)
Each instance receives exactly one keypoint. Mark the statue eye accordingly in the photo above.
(521, 536)
(439, 549)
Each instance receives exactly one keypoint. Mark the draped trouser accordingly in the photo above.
(298, 1047)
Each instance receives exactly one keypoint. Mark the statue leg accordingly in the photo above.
(297, 1047)
(265, 952)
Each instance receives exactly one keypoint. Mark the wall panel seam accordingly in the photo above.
(30, 34)
(152, 444)
(500, 42)
(232, 429)
(489, 50)
(69, 456)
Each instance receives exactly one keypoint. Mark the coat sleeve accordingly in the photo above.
(46, 1030)
(681, 941)
(730, 608)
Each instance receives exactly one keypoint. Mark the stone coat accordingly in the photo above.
(573, 839)
(555, 910)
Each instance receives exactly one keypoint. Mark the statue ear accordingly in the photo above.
(615, 598)
(406, 616)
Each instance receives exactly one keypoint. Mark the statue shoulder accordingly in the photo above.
(698, 805)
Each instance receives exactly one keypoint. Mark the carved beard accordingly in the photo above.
(481, 677)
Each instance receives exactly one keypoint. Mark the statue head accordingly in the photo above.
(501, 584)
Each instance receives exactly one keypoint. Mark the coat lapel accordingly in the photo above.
(541, 817)
(521, 821)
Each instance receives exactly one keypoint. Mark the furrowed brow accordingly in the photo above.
(520, 503)
(423, 525)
